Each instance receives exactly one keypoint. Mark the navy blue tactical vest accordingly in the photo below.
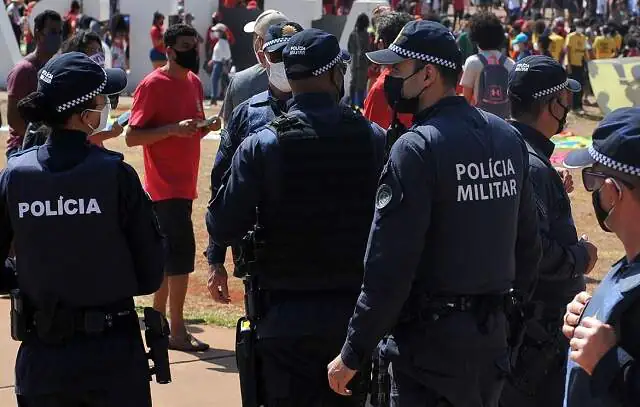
(69, 244)
(479, 167)
(616, 293)
(260, 112)
(317, 236)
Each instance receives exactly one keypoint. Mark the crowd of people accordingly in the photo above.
(443, 141)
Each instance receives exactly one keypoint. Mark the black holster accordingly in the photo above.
(156, 334)
(19, 316)
(247, 362)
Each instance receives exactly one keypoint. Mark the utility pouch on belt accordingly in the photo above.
(247, 363)
(19, 318)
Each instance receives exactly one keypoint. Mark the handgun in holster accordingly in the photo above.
(156, 334)
(519, 313)
(252, 247)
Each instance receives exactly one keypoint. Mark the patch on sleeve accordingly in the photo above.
(383, 196)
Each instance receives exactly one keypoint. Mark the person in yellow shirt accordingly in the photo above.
(576, 51)
(618, 39)
(556, 47)
(604, 46)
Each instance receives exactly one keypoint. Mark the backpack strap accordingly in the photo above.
(502, 59)
(482, 59)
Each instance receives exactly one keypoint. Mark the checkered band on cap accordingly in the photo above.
(613, 164)
(550, 91)
(423, 57)
(275, 41)
(85, 98)
(328, 66)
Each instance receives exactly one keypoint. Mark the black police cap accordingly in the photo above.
(538, 76)
(278, 35)
(312, 52)
(427, 41)
(72, 79)
(616, 143)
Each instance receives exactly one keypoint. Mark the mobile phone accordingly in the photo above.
(123, 119)
(208, 122)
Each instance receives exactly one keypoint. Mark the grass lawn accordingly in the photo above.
(201, 309)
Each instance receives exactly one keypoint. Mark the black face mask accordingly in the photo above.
(393, 92)
(340, 88)
(187, 59)
(601, 214)
(563, 121)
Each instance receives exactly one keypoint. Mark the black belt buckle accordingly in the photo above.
(94, 322)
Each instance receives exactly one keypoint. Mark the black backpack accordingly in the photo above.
(492, 90)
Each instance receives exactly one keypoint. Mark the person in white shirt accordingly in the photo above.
(220, 58)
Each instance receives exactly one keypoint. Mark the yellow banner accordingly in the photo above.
(615, 82)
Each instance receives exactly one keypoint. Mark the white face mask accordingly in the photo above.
(580, 30)
(278, 77)
(516, 47)
(104, 118)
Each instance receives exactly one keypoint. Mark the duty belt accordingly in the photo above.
(435, 307)
(65, 324)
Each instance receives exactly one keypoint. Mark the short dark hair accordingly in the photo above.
(487, 31)
(178, 30)
(75, 5)
(450, 77)
(362, 22)
(390, 24)
(41, 19)
(528, 111)
(540, 26)
(156, 16)
(80, 42)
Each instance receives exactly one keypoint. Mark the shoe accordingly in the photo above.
(187, 344)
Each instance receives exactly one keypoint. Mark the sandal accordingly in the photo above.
(187, 344)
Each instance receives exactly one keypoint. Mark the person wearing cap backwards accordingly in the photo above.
(432, 278)
(254, 79)
(312, 173)
(603, 328)
(248, 118)
(540, 96)
(166, 118)
(83, 344)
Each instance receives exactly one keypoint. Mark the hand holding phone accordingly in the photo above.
(208, 122)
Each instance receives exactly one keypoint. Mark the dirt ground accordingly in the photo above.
(201, 308)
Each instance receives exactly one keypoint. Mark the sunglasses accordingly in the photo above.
(594, 180)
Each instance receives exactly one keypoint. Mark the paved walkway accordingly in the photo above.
(204, 379)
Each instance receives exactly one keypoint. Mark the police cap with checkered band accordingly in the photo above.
(616, 143)
(537, 76)
(72, 79)
(312, 52)
(422, 40)
(278, 35)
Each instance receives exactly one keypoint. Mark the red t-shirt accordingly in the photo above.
(21, 81)
(157, 35)
(376, 107)
(170, 165)
(458, 5)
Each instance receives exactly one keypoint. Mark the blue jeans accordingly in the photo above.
(216, 73)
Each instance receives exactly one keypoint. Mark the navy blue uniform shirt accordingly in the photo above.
(454, 216)
(565, 259)
(231, 136)
(254, 179)
(66, 149)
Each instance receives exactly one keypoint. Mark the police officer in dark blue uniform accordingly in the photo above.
(454, 230)
(312, 173)
(540, 96)
(86, 242)
(603, 330)
(247, 118)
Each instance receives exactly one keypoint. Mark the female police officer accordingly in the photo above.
(86, 243)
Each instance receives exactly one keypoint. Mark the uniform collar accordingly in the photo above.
(536, 139)
(439, 105)
(312, 101)
(67, 138)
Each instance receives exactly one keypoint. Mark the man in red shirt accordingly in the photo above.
(165, 117)
(23, 77)
(376, 107)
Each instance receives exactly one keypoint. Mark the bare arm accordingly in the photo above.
(143, 137)
(14, 119)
